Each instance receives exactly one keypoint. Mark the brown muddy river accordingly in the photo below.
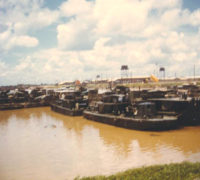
(38, 144)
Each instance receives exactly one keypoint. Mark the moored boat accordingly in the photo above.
(116, 110)
(21, 98)
(188, 109)
(155, 124)
(71, 103)
(65, 110)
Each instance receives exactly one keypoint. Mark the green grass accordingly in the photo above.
(182, 171)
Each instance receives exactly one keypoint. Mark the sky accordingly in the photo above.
(47, 41)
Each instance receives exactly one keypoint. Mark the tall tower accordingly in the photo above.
(124, 71)
(162, 71)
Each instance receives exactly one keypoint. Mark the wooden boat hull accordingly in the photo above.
(188, 109)
(160, 124)
(66, 111)
(12, 106)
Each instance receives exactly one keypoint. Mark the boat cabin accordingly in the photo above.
(114, 98)
(121, 90)
(145, 110)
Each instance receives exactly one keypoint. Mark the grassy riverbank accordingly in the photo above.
(182, 171)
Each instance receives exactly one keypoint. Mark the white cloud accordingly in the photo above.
(19, 18)
(25, 41)
(112, 18)
(4, 36)
(8, 41)
(76, 7)
(97, 37)
(24, 64)
(120, 17)
(3, 69)
(54, 65)
(166, 4)
(76, 34)
(34, 20)
(135, 18)
(195, 18)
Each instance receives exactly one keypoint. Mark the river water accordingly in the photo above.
(37, 143)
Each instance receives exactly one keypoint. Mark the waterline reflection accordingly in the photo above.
(39, 144)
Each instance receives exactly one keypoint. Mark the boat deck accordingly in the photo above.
(156, 124)
(66, 111)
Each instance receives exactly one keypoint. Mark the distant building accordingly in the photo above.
(132, 80)
(101, 81)
(67, 83)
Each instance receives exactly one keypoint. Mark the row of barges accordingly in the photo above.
(25, 98)
(146, 109)
(141, 109)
